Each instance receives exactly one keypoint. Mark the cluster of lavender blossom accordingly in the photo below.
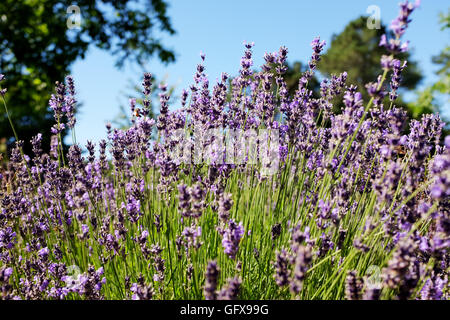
(353, 189)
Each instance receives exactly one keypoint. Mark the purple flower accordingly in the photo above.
(317, 46)
(147, 83)
(231, 290)
(434, 288)
(84, 231)
(231, 237)
(353, 286)
(225, 204)
(7, 238)
(398, 26)
(43, 253)
(282, 268)
(133, 209)
(211, 278)
(142, 291)
(302, 264)
(447, 142)
(192, 236)
(5, 274)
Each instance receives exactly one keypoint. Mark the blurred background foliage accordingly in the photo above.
(436, 97)
(37, 49)
(356, 51)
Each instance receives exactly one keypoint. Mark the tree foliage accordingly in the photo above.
(37, 49)
(429, 98)
(357, 50)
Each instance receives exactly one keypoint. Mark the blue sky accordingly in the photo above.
(218, 28)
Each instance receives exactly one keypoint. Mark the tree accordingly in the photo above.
(357, 51)
(428, 99)
(37, 49)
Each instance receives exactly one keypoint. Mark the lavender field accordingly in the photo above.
(241, 192)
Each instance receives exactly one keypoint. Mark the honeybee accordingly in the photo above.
(401, 150)
(137, 112)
